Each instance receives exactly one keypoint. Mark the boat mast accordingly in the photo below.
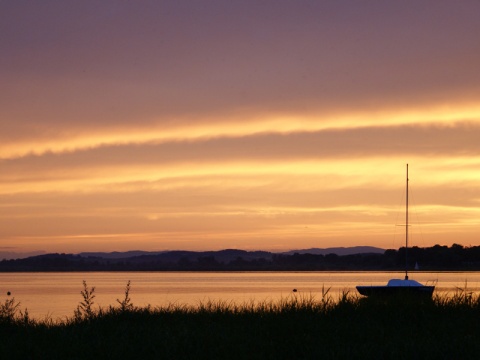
(406, 233)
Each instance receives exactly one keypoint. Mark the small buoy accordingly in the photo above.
(8, 293)
(294, 290)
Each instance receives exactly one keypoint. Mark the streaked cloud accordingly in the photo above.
(198, 125)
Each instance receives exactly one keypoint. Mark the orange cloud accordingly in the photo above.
(161, 125)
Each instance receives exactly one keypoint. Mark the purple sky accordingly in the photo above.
(212, 124)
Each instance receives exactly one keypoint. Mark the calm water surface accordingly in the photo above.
(56, 295)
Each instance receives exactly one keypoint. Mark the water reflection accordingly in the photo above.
(57, 294)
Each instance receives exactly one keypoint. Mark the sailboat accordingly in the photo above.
(399, 286)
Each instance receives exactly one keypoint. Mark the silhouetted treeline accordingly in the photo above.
(455, 257)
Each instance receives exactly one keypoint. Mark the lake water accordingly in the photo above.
(56, 295)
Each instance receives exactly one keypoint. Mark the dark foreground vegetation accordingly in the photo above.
(299, 327)
(435, 258)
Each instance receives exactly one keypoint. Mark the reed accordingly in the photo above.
(300, 326)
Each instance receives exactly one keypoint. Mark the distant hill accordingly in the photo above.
(119, 254)
(341, 251)
(231, 254)
(8, 255)
(362, 258)
(226, 255)
(223, 255)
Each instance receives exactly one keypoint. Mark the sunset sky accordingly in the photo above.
(213, 124)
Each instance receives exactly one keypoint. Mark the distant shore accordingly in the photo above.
(436, 258)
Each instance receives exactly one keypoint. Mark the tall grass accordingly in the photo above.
(299, 326)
